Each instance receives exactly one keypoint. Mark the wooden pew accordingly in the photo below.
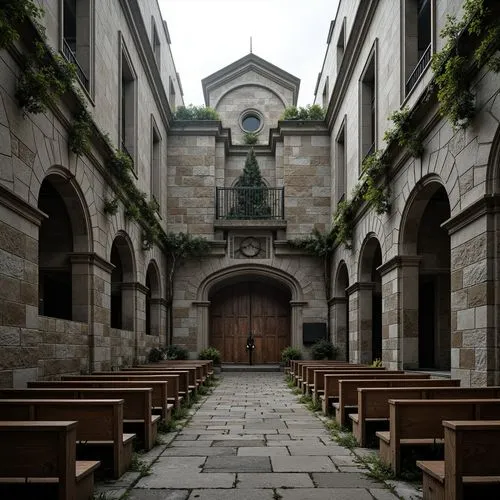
(99, 431)
(122, 376)
(318, 383)
(348, 391)
(162, 391)
(30, 450)
(471, 464)
(296, 367)
(331, 391)
(206, 364)
(373, 403)
(302, 379)
(137, 408)
(186, 388)
(418, 422)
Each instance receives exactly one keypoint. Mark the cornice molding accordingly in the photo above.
(399, 261)
(359, 286)
(16, 204)
(337, 300)
(91, 259)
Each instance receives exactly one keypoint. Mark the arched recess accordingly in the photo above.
(63, 285)
(266, 281)
(426, 288)
(249, 84)
(340, 312)
(153, 296)
(370, 300)
(122, 283)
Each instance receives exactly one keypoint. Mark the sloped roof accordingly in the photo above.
(251, 62)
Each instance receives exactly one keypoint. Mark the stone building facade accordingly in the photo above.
(81, 290)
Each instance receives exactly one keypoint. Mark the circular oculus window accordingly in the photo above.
(251, 121)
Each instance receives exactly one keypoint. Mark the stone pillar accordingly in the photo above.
(475, 278)
(296, 323)
(203, 316)
(134, 315)
(156, 316)
(400, 311)
(360, 322)
(339, 322)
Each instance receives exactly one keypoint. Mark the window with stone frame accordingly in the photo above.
(128, 107)
(155, 180)
(326, 94)
(77, 34)
(171, 94)
(417, 38)
(155, 43)
(368, 106)
(340, 162)
(341, 44)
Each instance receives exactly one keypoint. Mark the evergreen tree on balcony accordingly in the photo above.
(251, 194)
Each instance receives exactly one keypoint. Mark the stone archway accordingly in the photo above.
(122, 284)
(370, 301)
(340, 312)
(426, 289)
(249, 304)
(63, 287)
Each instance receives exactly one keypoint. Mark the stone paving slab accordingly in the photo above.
(298, 464)
(237, 464)
(274, 480)
(234, 494)
(343, 480)
(158, 495)
(325, 494)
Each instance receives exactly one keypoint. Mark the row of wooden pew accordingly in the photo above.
(410, 411)
(59, 433)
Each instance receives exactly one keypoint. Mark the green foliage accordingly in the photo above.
(376, 468)
(196, 113)
(318, 243)
(377, 363)
(80, 132)
(403, 133)
(121, 165)
(289, 353)
(185, 245)
(210, 353)
(452, 64)
(377, 195)
(323, 349)
(110, 207)
(132, 212)
(176, 352)
(155, 355)
(138, 465)
(12, 14)
(250, 138)
(343, 221)
(314, 112)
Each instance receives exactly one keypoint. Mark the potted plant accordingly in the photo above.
(289, 353)
(323, 349)
(213, 354)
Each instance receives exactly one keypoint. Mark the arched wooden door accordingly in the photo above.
(238, 309)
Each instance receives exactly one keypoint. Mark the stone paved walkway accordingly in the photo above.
(252, 440)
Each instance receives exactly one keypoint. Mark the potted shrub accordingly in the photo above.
(213, 354)
(289, 353)
(323, 349)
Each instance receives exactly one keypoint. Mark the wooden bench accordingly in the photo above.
(331, 383)
(373, 403)
(302, 378)
(99, 431)
(206, 365)
(418, 422)
(471, 468)
(348, 391)
(318, 383)
(160, 396)
(146, 377)
(37, 455)
(137, 408)
(193, 381)
(296, 367)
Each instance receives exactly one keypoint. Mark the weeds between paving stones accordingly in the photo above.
(138, 465)
(276, 495)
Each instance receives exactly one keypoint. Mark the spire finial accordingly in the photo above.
(251, 45)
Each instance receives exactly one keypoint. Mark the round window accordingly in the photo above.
(250, 123)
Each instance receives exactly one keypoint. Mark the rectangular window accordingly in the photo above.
(341, 45)
(171, 94)
(128, 94)
(76, 37)
(155, 42)
(417, 40)
(340, 162)
(326, 94)
(155, 162)
(368, 107)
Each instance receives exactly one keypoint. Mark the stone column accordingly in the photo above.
(475, 278)
(202, 307)
(296, 323)
(339, 322)
(134, 315)
(360, 322)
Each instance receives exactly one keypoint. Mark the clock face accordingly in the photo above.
(250, 247)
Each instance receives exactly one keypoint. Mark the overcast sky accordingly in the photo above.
(210, 34)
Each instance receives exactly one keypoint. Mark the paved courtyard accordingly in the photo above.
(251, 439)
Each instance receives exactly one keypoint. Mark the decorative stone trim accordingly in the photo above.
(488, 204)
(337, 300)
(282, 247)
(201, 303)
(135, 285)
(250, 224)
(91, 258)
(356, 287)
(298, 303)
(399, 261)
(159, 302)
(16, 204)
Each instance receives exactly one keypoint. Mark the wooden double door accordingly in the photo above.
(260, 308)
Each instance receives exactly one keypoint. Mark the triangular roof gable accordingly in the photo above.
(251, 62)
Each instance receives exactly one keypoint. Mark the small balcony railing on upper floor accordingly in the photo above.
(249, 203)
(71, 57)
(419, 69)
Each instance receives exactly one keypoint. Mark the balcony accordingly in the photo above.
(250, 203)
(419, 69)
(70, 55)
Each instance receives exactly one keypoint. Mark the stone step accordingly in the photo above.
(250, 368)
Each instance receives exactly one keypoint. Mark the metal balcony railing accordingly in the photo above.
(249, 203)
(71, 57)
(419, 69)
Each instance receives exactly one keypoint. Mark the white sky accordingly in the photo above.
(210, 34)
